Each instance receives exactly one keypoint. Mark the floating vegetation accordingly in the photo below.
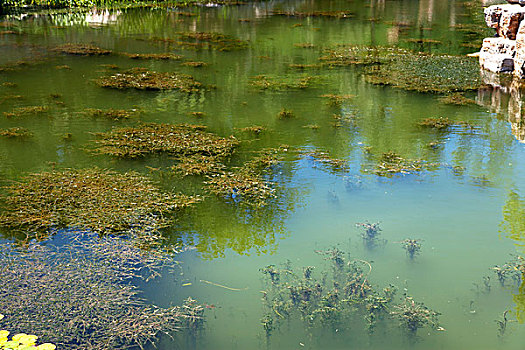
(337, 100)
(180, 141)
(64, 66)
(95, 199)
(9, 84)
(113, 114)
(345, 55)
(324, 158)
(152, 56)
(335, 298)
(423, 41)
(411, 246)
(371, 234)
(304, 45)
(391, 163)
(304, 66)
(457, 99)
(255, 129)
(285, 114)
(16, 132)
(85, 289)
(266, 82)
(81, 50)
(24, 111)
(311, 126)
(198, 114)
(142, 79)
(246, 184)
(436, 123)
(409, 70)
(195, 64)
(204, 40)
(198, 165)
(329, 14)
(427, 73)
(21, 341)
(5, 98)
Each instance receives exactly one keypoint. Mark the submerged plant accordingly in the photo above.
(371, 233)
(436, 123)
(82, 50)
(457, 99)
(285, 113)
(16, 132)
(152, 56)
(142, 79)
(391, 163)
(25, 111)
(414, 315)
(100, 200)
(411, 246)
(271, 83)
(114, 114)
(86, 289)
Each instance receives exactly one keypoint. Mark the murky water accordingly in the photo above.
(468, 220)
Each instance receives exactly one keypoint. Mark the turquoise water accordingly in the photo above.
(458, 214)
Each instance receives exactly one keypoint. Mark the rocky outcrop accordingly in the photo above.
(505, 53)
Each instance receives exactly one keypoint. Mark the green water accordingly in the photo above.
(459, 215)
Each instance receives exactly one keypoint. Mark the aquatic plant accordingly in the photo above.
(512, 270)
(204, 40)
(415, 315)
(304, 45)
(439, 123)
(82, 50)
(100, 200)
(304, 66)
(114, 114)
(299, 14)
(152, 56)
(285, 114)
(255, 129)
(142, 79)
(457, 99)
(86, 289)
(411, 246)
(24, 111)
(350, 55)
(391, 163)
(334, 297)
(194, 64)
(175, 140)
(336, 100)
(16, 132)
(246, 184)
(324, 158)
(272, 83)
(371, 233)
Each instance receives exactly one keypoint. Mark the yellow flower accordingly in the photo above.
(46, 346)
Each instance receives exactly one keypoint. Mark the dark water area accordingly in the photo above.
(468, 210)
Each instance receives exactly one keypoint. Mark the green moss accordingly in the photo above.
(142, 79)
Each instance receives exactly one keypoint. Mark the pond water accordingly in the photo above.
(467, 211)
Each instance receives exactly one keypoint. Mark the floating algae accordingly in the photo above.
(324, 158)
(84, 289)
(175, 140)
(16, 132)
(272, 83)
(81, 50)
(114, 114)
(95, 199)
(142, 79)
(24, 111)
